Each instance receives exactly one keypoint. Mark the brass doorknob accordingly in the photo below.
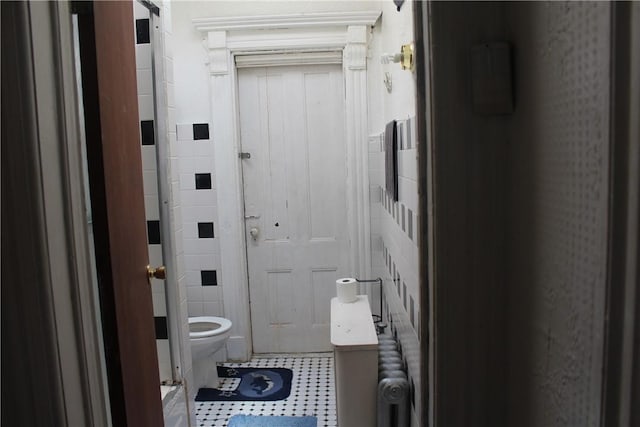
(156, 273)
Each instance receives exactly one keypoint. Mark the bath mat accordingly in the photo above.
(255, 384)
(266, 421)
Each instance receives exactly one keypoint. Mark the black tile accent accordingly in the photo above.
(142, 31)
(209, 277)
(403, 219)
(205, 230)
(203, 181)
(410, 223)
(412, 315)
(161, 327)
(147, 132)
(200, 131)
(404, 295)
(153, 232)
(413, 394)
(409, 135)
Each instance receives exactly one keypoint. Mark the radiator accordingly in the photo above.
(393, 385)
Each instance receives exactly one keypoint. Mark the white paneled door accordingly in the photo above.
(292, 126)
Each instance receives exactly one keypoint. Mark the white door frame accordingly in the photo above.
(226, 38)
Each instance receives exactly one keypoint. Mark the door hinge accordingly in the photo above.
(244, 155)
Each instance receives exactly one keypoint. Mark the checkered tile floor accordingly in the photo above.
(312, 392)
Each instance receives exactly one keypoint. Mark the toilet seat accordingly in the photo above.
(208, 326)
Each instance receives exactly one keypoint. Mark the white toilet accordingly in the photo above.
(207, 335)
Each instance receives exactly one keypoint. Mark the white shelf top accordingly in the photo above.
(352, 325)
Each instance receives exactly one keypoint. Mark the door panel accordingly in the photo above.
(292, 124)
(115, 174)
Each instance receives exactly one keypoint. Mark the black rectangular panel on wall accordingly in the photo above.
(391, 160)
(412, 314)
(410, 223)
(404, 295)
(205, 230)
(147, 133)
(209, 277)
(200, 131)
(203, 181)
(153, 232)
(142, 31)
(413, 394)
(161, 327)
(403, 218)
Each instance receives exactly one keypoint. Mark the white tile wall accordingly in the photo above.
(145, 82)
(184, 131)
(143, 51)
(181, 411)
(394, 247)
(198, 205)
(150, 182)
(176, 212)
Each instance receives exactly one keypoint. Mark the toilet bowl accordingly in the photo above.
(207, 335)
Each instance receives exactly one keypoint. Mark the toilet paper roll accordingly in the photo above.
(347, 289)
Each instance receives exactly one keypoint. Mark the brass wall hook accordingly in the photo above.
(405, 57)
(407, 62)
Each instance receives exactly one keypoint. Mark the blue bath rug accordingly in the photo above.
(255, 384)
(266, 421)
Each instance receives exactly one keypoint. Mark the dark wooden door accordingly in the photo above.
(115, 171)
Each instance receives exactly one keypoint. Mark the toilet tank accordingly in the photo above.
(355, 345)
